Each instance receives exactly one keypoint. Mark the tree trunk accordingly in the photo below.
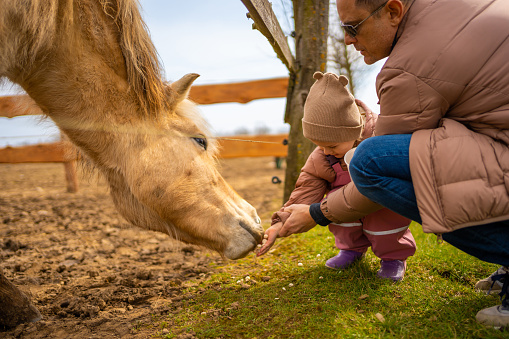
(311, 31)
(15, 307)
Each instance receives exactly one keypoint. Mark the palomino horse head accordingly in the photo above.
(91, 66)
(172, 183)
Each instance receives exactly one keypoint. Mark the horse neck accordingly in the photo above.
(83, 67)
(81, 80)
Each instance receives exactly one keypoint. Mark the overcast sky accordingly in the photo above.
(215, 40)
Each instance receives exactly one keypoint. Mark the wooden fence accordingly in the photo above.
(231, 147)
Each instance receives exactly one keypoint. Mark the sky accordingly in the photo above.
(215, 40)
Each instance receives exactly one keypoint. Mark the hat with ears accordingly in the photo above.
(330, 111)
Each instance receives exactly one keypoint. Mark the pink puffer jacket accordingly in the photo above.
(317, 174)
(447, 82)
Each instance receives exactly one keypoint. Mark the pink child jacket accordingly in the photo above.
(385, 231)
(317, 178)
(317, 175)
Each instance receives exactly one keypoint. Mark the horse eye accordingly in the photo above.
(202, 142)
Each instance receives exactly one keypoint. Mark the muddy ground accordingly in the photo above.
(89, 273)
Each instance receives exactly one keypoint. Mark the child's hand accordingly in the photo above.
(269, 238)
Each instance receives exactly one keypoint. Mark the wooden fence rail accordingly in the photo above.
(243, 146)
(241, 92)
(54, 152)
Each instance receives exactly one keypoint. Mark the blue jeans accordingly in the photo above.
(380, 169)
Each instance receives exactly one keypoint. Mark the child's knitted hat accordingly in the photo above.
(330, 112)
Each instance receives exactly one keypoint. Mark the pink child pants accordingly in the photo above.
(384, 230)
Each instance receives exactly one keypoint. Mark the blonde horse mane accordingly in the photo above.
(144, 71)
(41, 20)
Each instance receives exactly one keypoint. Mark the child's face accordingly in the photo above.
(337, 149)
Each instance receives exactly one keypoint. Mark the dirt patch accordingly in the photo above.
(89, 273)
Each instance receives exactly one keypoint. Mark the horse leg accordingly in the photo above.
(15, 307)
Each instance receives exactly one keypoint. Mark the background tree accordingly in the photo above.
(343, 59)
(317, 46)
(311, 20)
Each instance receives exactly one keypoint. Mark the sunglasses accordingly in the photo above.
(351, 30)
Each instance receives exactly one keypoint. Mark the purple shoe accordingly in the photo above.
(344, 259)
(392, 269)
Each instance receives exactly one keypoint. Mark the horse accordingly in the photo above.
(91, 67)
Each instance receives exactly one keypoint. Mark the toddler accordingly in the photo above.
(332, 120)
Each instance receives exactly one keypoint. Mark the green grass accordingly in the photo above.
(435, 300)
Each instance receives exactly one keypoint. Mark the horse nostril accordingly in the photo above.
(253, 233)
(258, 220)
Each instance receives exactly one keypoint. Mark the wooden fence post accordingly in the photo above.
(71, 175)
(311, 33)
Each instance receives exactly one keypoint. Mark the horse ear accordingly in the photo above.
(183, 85)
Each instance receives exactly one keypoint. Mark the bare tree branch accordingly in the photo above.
(343, 59)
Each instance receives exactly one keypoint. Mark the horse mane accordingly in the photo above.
(40, 20)
(144, 71)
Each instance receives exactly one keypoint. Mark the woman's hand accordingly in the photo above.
(300, 220)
